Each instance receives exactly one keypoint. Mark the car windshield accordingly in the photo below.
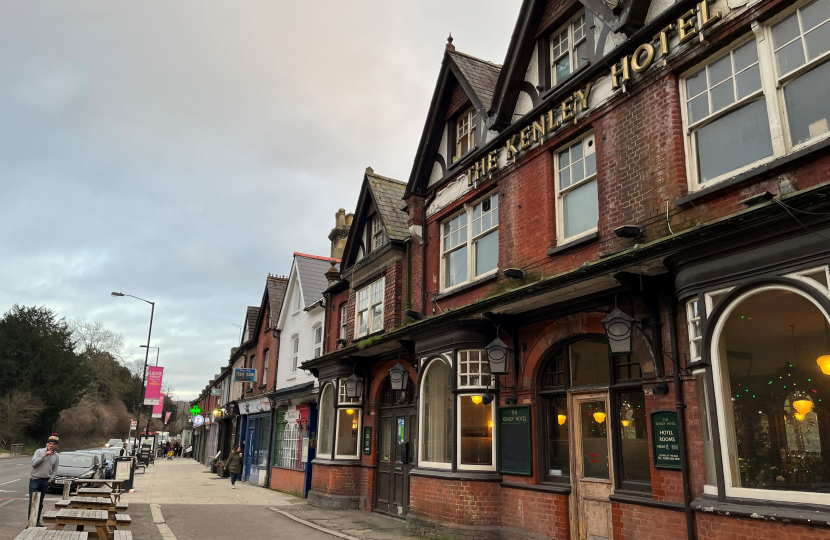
(109, 456)
(75, 460)
(113, 442)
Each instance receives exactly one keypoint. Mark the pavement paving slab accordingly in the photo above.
(356, 523)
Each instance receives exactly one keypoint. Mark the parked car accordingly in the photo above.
(114, 443)
(74, 465)
(107, 457)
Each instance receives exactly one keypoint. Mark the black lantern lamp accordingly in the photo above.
(498, 356)
(354, 387)
(619, 327)
(398, 377)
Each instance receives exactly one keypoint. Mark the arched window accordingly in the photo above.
(773, 413)
(436, 412)
(326, 428)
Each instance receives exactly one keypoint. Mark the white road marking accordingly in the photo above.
(10, 481)
(158, 520)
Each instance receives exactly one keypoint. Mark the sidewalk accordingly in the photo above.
(350, 523)
(185, 481)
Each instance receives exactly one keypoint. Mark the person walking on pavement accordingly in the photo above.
(234, 466)
(44, 465)
(123, 450)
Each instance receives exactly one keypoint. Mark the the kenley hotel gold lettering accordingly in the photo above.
(531, 134)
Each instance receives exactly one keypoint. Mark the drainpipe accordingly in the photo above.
(424, 242)
(680, 405)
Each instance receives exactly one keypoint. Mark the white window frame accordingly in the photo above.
(726, 438)
(359, 412)
(343, 400)
(289, 446)
(298, 302)
(295, 352)
(560, 193)
(378, 238)
(265, 362)
(772, 89)
(344, 320)
(575, 35)
(471, 243)
(328, 387)
(317, 332)
(466, 121)
(465, 358)
(493, 439)
(692, 322)
(371, 301)
(421, 419)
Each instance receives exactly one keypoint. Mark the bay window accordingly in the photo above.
(370, 308)
(695, 335)
(470, 243)
(325, 437)
(436, 414)
(577, 203)
(763, 98)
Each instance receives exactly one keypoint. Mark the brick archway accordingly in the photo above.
(572, 325)
(381, 373)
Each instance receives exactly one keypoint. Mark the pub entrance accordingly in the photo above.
(397, 430)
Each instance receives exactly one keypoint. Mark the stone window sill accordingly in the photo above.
(578, 242)
(467, 286)
(481, 476)
(644, 499)
(767, 168)
(812, 515)
(558, 489)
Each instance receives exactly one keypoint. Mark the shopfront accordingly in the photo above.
(256, 437)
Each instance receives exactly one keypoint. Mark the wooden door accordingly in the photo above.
(592, 466)
(396, 443)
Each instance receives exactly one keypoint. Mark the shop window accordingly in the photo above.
(370, 308)
(765, 356)
(633, 438)
(475, 433)
(577, 203)
(348, 427)
(261, 459)
(470, 243)
(763, 98)
(558, 455)
(317, 331)
(436, 412)
(288, 444)
(568, 49)
(706, 427)
(326, 428)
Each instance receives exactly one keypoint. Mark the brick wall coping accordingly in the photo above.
(641, 500)
(479, 476)
(563, 489)
(760, 511)
(766, 168)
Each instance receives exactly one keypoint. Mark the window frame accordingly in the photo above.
(726, 439)
(359, 412)
(573, 65)
(370, 305)
(695, 341)
(560, 194)
(317, 345)
(265, 361)
(377, 234)
(330, 387)
(493, 439)
(295, 353)
(470, 243)
(344, 321)
(426, 366)
(347, 402)
(470, 116)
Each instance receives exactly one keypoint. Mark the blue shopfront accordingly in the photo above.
(255, 434)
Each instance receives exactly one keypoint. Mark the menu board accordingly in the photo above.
(665, 440)
(515, 441)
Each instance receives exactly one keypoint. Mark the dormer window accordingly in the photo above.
(568, 49)
(377, 233)
(465, 130)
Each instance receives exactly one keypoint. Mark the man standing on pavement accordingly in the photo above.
(44, 465)
(124, 450)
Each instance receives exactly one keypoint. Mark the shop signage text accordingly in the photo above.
(244, 375)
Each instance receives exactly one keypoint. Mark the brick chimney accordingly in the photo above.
(340, 233)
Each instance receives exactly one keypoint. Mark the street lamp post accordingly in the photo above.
(158, 349)
(146, 357)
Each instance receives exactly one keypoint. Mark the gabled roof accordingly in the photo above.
(478, 80)
(385, 195)
(275, 289)
(312, 279)
(250, 322)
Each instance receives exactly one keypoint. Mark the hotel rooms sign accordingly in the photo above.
(687, 26)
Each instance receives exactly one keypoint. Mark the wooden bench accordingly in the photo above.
(94, 491)
(42, 533)
(122, 519)
(90, 503)
(62, 504)
(84, 518)
(123, 535)
(122, 506)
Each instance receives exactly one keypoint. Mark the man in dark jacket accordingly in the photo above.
(234, 465)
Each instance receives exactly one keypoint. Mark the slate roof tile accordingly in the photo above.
(250, 320)
(276, 293)
(312, 270)
(480, 74)
(388, 197)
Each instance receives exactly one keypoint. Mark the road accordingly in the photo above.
(174, 500)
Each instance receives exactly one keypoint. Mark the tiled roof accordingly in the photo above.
(480, 74)
(276, 294)
(250, 320)
(312, 269)
(388, 198)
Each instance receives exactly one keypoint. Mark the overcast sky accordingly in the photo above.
(181, 150)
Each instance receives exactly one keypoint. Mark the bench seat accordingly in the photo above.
(122, 519)
(121, 534)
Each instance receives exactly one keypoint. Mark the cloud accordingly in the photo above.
(180, 151)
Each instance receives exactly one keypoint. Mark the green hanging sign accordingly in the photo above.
(665, 440)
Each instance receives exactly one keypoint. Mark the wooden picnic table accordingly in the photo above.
(90, 518)
(113, 487)
(42, 533)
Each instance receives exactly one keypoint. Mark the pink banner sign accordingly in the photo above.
(152, 395)
(167, 417)
(157, 409)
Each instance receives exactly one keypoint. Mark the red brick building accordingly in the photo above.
(634, 204)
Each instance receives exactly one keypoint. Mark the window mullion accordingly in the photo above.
(775, 106)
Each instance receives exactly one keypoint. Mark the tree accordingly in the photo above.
(18, 411)
(37, 356)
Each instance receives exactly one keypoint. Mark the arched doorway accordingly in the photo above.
(396, 443)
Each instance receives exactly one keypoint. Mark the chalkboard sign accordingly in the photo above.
(665, 440)
(515, 441)
(367, 440)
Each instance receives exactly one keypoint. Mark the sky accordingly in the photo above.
(180, 151)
